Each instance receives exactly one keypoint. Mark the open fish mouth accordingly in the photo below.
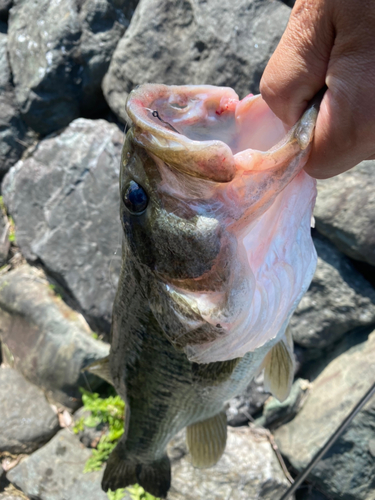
(226, 229)
(206, 131)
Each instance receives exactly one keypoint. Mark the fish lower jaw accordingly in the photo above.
(273, 272)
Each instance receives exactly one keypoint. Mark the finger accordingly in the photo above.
(330, 154)
(297, 69)
(344, 133)
(345, 128)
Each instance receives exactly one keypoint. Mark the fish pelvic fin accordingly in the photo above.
(100, 368)
(279, 367)
(206, 440)
(154, 477)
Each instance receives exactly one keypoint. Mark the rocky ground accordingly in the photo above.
(65, 70)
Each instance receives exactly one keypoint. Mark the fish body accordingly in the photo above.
(217, 253)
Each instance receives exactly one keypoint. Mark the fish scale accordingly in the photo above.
(217, 253)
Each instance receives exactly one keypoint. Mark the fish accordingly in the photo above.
(217, 253)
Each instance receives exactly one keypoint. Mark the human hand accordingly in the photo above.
(328, 42)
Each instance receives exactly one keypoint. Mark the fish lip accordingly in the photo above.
(270, 172)
(213, 156)
(213, 159)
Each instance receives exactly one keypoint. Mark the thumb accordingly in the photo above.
(297, 69)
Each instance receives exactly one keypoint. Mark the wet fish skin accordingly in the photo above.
(175, 244)
(155, 236)
(163, 390)
(225, 191)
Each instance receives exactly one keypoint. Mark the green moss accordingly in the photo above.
(3, 285)
(56, 290)
(12, 227)
(12, 230)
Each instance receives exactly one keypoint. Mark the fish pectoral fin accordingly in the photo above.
(154, 477)
(100, 368)
(206, 440)
(279, 368)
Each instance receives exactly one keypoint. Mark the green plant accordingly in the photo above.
(55, 289)
(104, 411)
(12, 227)
(109, 412)
(116, 495)
(138, 493)
(12, 230)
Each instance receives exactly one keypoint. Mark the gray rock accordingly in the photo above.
(27, 420)
(241, 409)
(55, 472)
(103, 24)
(186, 42)
(339, 299)
(347, 471)
(45, 340)
(248, 469)
(89, 436)
(43, 56)
(345, 211)
(87, 490)
(14, 136)
(5, 74)
(59, 58)
(64, 200)
(5, 6)
(4, 237)
(276, 413)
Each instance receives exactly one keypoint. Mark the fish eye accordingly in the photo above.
(135, 198)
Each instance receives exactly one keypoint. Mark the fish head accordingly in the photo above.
(165, 233)
(207, 185)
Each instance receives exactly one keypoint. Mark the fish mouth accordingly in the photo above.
(210, 158)
(202, 130)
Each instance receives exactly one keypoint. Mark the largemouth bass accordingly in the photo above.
(217, 253)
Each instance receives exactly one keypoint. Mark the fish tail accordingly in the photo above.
(154, 477)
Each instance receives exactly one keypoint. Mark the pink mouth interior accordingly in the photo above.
(206, 116)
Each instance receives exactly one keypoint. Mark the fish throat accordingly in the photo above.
(226, 233)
